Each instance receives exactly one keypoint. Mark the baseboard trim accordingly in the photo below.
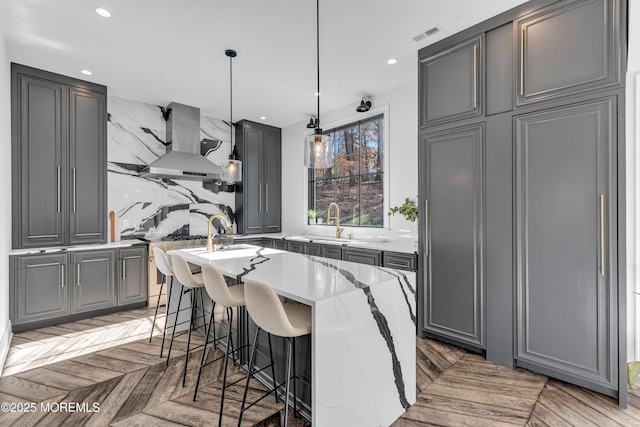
(5, 343)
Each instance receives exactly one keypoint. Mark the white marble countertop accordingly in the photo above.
(303, 278)
(96, 246)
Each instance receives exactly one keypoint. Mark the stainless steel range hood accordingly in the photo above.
(183, 159)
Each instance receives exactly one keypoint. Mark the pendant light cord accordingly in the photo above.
(231, 100)
(318, 55)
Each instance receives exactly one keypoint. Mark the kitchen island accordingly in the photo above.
(363, 365)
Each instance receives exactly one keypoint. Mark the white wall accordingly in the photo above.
(633, 182)
(402, 166)
(5, 198)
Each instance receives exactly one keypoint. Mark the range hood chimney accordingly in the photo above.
(183, 159)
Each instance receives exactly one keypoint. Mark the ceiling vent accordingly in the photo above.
(428, 33)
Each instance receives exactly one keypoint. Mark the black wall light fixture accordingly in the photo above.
(364, 106)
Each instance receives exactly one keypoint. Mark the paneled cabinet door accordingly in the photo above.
(253, 184)
(132, 273)
(93, 280)
(451, 83)
(567, 48)
(272, 182)
(87, 166)
(566, 253)
(452, 184)
(39, 186)
(41, 288)
(362, 256)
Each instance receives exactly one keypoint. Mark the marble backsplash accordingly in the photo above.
(154, 207)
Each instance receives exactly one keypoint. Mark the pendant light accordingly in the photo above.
(317, 147)
(231, 168)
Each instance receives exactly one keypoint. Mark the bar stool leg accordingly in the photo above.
(175, 323)
(166, 316)
(293, 358)
(226, 361)
(246, 387)
(204, 353)
(273, 370)
(153, 326)
(286, 392)
(186, 357)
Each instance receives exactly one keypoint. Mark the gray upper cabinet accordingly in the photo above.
(40, 288)
(567, 48)
(452, 185)
(88, 164)
(93, 280)
(453, 80)
(59, 147)
(132, 273)
(566, 248)
(258, 196)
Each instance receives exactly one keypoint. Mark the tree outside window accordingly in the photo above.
(354, 181)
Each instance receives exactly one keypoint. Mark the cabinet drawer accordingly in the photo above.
(400, 261)
(332, 251)
(362, 256)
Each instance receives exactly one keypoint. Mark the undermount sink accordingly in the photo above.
(336, 240)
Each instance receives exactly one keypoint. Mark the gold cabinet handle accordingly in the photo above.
(475, 76)
(74, 189)
(426, 227)
(266, 197)
(78, 278)
(58, 188)
(133, 257)
(397, 264)
(124, 269)
(260, 204)
(49, 264)
(602, 234)
(522, 62)
(62, 275)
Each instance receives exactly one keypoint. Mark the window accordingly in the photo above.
(355, 182)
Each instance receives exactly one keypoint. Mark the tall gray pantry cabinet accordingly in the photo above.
(522, 219)
(59, 146)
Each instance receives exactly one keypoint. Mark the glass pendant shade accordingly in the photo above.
(231, 171)
(317, 151)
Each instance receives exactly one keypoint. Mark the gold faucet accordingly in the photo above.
(336, 217)
(210, 246)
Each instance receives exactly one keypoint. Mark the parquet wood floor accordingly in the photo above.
(108, 360)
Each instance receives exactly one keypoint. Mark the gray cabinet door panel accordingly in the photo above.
(566, 297)
(454, 293)
(452, 79)
(132, 273)
(499, 70)
(93, 280)
(43, 169)
(567, 48)
(272, 189)
(87, 166)
(330, 251)
(362, 256)
(41, 288)
(253, 187)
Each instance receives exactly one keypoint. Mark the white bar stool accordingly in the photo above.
(288, 320)
(166, 269)
(192, 282)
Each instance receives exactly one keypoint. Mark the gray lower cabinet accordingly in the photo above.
(132, 275)
(259, 194)
(581, 35)
(331, 251)
(454, 80)
(39, 288)
(279, 244)
(451, 191)
(313, 249)
(59, 187)
(399, 260)
(566, 210)
(362, 256)
(296, 247)
(92, 280)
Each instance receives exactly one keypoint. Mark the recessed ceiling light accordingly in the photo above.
(317, 94)
(263, 118)
(86, 72)
(392, 61)
(103, 12)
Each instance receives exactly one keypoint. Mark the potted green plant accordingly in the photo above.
(311, 215)
(409, 210)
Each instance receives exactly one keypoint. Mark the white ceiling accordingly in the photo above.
(158, 51)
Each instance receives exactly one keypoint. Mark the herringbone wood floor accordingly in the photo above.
(108, 360)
